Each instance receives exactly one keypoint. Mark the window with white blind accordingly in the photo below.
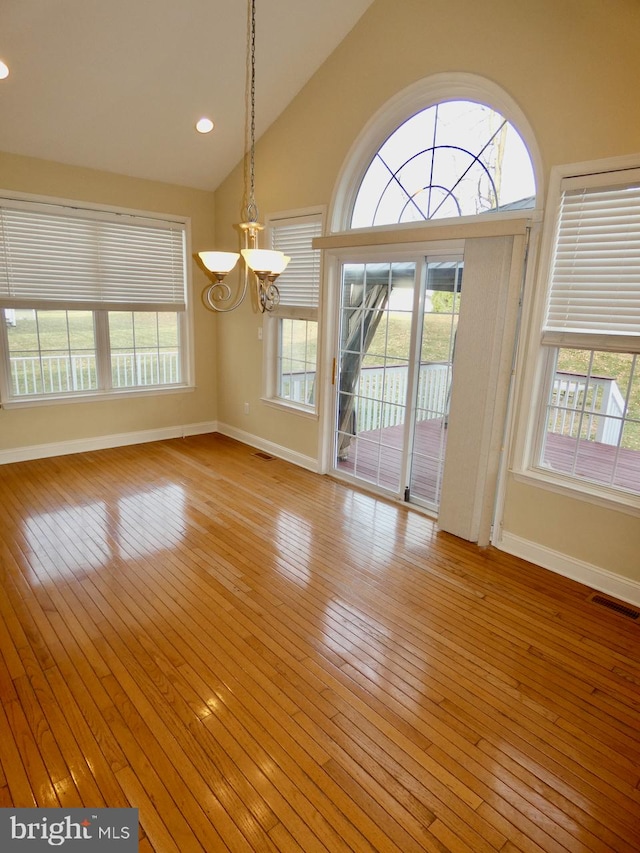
(590, 427)
(292, 329)
(299, 284)
(93, 301)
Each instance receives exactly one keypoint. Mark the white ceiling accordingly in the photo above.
(119, 84)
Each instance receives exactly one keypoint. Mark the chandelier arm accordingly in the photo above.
(213, 303)
(268, 293)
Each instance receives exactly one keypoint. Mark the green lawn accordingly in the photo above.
(395, 335)
(56, 330)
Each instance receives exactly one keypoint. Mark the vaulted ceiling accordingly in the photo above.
(119, 84)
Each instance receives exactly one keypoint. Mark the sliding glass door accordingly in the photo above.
(393, 373)
(437, 320)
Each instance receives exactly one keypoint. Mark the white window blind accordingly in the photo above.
(594, 298)
(299, 284)
(57, 257)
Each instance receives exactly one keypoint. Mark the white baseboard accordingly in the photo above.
(603, 580)
(308, 462)
(103, 442)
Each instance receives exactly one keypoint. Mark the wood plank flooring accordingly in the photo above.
(261, 659)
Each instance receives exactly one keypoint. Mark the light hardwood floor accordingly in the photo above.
(261, 659)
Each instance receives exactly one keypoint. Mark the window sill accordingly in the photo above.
(95, 397)
(292, 408)
(580, 490)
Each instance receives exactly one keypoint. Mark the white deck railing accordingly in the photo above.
(381, 391)
(601, 411)
(381, 396)
(57, 374)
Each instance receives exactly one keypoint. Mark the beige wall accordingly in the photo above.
(571, 66)
(51, 424)
(587, 532)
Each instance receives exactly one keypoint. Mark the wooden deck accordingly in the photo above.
(262, 659)
(375, 457)
(595, 461)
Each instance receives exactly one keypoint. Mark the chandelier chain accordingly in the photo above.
(263, 265)
(252, 208)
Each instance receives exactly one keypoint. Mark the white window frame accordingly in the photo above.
(102, 347)
(536, 359)
(271, 328)
(416, 97)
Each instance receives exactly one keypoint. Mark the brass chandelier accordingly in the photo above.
(265, 265)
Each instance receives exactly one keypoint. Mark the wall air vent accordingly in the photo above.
(623, 609)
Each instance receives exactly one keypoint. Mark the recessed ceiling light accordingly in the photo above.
(204, 125)
(4, 70)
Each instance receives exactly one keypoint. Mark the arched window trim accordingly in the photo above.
(416, 97)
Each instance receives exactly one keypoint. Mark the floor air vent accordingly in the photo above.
(264, 456)
(623, 609)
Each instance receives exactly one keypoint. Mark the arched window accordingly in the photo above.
(434, 150)
(455, 158)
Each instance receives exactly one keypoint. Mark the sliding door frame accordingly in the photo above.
(402, 244)
(334, 261)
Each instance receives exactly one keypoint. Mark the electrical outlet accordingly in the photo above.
(246, 408)
(259, 333)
